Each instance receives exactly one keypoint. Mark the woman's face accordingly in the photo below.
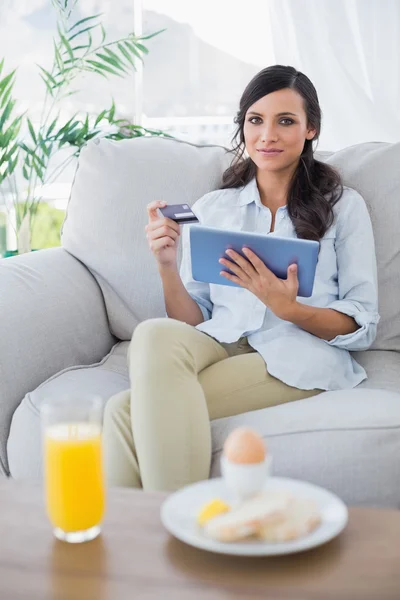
(276, 123)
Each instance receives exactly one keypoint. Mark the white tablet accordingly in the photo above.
(208, 245)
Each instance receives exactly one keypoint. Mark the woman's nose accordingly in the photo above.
(269, 133)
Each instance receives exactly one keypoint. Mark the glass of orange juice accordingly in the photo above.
(73, 466)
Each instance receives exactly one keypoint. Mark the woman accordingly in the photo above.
(226, 350)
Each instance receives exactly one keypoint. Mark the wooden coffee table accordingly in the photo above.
(136, 558)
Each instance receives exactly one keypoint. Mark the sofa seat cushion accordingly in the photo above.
(346, 441)
(105, 378)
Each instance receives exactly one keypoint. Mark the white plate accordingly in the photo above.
(179, 510)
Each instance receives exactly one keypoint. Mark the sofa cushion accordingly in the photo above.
(346, 441)
(106, 216)
(383, 369)
(105, 378)
(373, 170)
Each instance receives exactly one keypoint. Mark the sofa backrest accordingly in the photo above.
(106, 216)
(373, 169)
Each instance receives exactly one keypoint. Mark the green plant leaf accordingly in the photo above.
(125, 52)
(80, 47)
(39, 160)
(64, 128)
(48, 75)
(66, 70)
(68, 130)
(12, 132)
(114, 55)
(32, 131)
(6, 95)
(98, 65)
(6, 113)
(151, 35)
(59, 60)
(100, 117)
(115, 63)
(84, 21)
(11, 166)
(45, 146)
(5, 138)
(48, 86)
(69, 94)
(103, 34)
(4, 82)
(37, 167)
(112, 112)
(92, 135)
(134, 50)
(8, 155)
(67, 46)
(70, 134)
(53, 124)
(25, 148)
(142, 48)
(25, 173)
(80, 32)
(18, 122)
(94, 70)
(85, 129)
(12, 150)
(1, 65)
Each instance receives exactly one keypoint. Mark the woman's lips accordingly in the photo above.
(270, 152)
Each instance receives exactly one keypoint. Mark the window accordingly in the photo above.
(27, 28)
(197, 69)
(190, 84)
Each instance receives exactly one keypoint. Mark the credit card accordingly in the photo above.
(180, 213)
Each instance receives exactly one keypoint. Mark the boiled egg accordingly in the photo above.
(245, 446)
(245, 463)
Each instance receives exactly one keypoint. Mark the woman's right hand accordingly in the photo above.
(162, 235)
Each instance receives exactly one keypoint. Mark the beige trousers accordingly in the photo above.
(157, 434)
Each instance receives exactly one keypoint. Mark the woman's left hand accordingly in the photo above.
(278, 294)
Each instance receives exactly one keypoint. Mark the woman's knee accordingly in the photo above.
(116, 406)
(158, 334)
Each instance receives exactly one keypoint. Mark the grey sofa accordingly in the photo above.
(67, 315)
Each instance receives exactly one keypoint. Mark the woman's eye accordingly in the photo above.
(288, 121)
(252, 119)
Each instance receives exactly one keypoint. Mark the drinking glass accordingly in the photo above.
(73, 466)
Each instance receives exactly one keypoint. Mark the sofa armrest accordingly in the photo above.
(52, 316)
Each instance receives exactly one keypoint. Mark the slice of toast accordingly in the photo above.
(248, 518)
(302, 517)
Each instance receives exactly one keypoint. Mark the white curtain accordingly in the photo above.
(350, 49)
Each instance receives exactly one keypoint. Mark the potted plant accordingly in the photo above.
(25, 162)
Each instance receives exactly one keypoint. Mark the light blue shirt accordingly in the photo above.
(345, 280)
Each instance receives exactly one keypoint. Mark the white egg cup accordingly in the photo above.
(245, 480)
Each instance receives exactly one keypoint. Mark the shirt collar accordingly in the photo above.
(249, 193)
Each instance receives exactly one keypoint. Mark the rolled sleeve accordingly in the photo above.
(357, 274)
(365, 334)
(199, 291)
